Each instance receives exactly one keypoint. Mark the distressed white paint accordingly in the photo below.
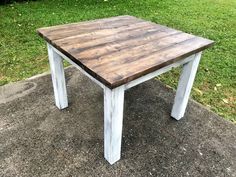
(158, 72)
(58, 78)
(184, 87)
(113, 118)
(78, 67)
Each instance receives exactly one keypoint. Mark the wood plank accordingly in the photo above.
(83, 23)
(85, 37)
(81, 30)
(60, 34)
(109, 63)
(79, 47)
(130, 71)
(123, 44)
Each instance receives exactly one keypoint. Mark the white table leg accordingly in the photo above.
(113, 119)
(184, 87)
(58, 78)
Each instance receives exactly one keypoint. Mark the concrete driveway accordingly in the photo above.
(37, 139)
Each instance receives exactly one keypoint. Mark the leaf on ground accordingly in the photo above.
(198, 91)
(218, 85)
(225, 100)
(169, 86)
(209, 106)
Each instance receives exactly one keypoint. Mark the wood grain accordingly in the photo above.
(120, 49)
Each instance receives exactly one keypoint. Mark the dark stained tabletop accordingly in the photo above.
(120, 49)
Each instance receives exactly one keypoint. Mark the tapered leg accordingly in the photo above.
(184, 87)
(58, 78)
(113, 118)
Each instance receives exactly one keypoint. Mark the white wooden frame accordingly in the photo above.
(114, 98)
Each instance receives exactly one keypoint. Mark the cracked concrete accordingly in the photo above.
(37, 139)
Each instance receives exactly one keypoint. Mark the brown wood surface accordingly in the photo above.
(120, 49)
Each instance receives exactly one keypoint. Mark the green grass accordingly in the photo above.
(23, 52)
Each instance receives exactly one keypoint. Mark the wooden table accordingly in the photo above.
(118, 53)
